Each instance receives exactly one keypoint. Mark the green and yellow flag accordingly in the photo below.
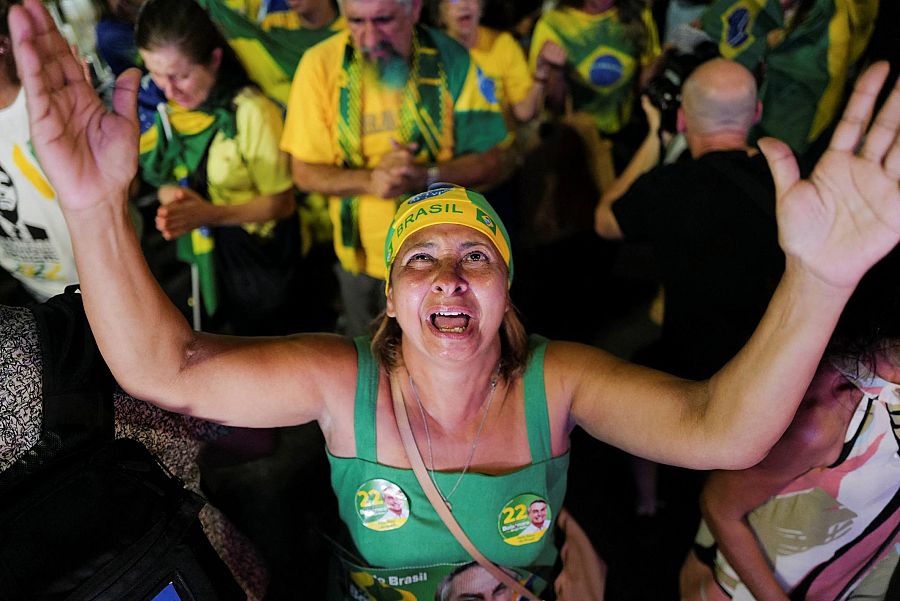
(196, 248)
(173, 143)
(269, 51)
(808, 59)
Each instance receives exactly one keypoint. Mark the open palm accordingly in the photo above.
(846, 216)
(89, 153)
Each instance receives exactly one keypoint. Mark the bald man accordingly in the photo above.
(709, 218)
(710, 221)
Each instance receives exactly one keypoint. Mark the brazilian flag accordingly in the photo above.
(172, 144)
(196, 247)
(270, 55)
(808, 61)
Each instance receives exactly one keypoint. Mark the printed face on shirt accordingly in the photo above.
(537, 513)
(477, 584)
(382, 30)
(182, 80)
(9, 199)
(393, 502)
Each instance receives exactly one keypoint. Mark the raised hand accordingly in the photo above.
(654, 116)
(89, 153)
(846, 216)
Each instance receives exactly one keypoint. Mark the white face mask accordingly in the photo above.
(866, 380)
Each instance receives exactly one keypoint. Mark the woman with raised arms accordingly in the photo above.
(491, 410)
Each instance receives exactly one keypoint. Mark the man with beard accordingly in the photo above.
(378, 112)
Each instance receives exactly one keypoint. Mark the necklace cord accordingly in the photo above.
(487, 410)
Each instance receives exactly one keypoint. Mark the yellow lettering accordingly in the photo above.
(523, 512)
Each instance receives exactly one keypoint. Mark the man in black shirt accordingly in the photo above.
(710, 220)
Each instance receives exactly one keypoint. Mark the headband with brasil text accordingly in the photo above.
(445, 204)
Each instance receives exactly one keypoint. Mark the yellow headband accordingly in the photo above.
(446, 204)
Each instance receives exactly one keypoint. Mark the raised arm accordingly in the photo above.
(645, 159)
(832, 227)
(90, 156)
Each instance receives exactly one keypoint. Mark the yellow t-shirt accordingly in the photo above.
(503, 60)
(250, 164)
(311, 136)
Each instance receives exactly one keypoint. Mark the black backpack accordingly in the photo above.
(84, 516)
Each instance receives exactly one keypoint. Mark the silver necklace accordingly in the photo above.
(487, 410)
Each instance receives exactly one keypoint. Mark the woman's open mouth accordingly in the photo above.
(450, 322)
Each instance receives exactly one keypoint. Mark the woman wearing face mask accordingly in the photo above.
(818, 518)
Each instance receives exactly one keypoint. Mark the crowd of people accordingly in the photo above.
(372, 168)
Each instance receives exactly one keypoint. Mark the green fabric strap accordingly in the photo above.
(537, 418)
(366, 401)
(421, 116)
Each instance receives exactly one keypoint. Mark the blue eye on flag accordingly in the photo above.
(606, 70)
(738, 22)
(486, 86)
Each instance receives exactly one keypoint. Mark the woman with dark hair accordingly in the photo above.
(500, 56)
(210, 143)
(488, 411)
(818, 518)
(608, 46)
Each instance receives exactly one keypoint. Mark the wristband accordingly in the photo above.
(432, 175)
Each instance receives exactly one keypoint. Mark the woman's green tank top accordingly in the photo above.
(411, 542)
